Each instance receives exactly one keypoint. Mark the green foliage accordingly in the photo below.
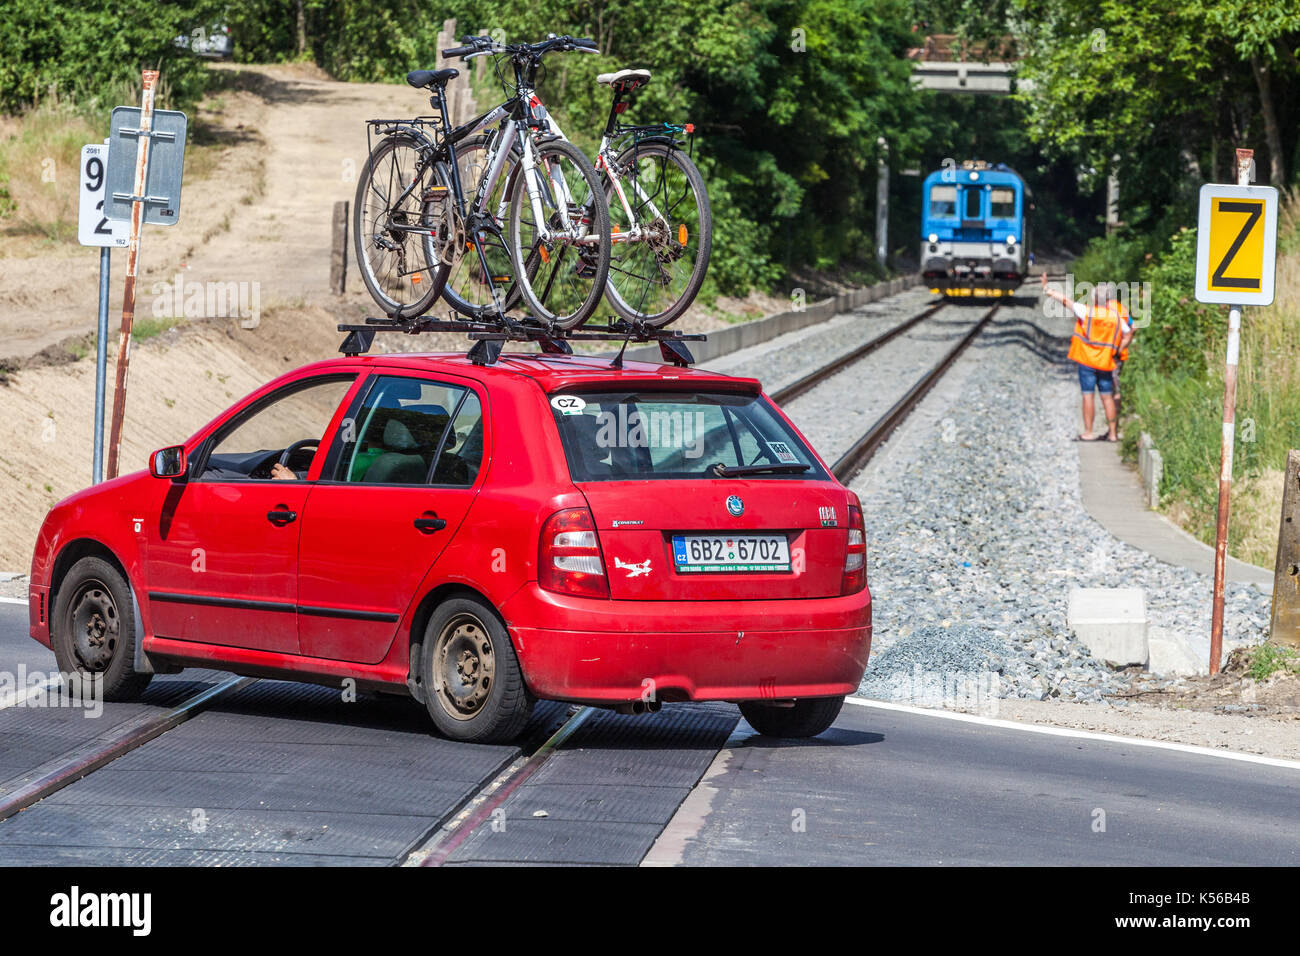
(1166, 88)
(90, 50)
(1269, 659)
(7, 204)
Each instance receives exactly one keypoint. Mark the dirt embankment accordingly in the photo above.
(255, 224)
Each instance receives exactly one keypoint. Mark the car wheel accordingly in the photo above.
(473, 685)
(807, 718)
(94, 630)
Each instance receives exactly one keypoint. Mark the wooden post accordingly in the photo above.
(1285, 625)
(339, 252)
(149, 78)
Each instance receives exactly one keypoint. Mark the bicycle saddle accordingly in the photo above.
(625, 81)
(422, 78)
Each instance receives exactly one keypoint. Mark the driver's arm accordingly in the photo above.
(280, 472)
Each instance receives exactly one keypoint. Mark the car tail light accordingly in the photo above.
(569, 558)
(855, 557)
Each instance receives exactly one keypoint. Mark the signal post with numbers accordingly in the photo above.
(94, 228)
(1236, 250)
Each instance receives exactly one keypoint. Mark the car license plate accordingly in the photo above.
(730, 554)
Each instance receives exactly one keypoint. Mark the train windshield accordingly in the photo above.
(943, 202)
(973, 203)
(1003, 204)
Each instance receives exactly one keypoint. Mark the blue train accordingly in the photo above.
(975, 236)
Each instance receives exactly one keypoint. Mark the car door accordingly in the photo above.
(223, 550)
(400, 481)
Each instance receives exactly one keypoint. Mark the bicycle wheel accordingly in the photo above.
(467, 289)
(654, 280)
(561, 263)
(400, 219)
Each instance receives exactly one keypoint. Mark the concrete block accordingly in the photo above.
(1172, 654)
(1157, 470)
(1111, 623)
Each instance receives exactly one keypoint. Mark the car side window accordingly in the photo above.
(285, 428)
(412, 431)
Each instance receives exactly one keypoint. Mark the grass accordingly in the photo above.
(1269, 659)
(40, 152)
(145, 329)
(1183, 409)
(39, 157)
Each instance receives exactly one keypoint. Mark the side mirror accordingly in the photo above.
(168, 462)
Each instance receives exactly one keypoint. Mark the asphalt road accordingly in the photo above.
(280, 773)
(894, 788)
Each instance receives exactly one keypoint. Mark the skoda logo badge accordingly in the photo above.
(735, 505)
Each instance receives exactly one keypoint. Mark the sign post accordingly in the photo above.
(1236, 248)
(94, 228)
(147, 190)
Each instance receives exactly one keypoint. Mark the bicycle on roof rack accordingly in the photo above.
(413, 225)
(661, 222)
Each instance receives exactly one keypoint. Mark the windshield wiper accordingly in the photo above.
(793, 468)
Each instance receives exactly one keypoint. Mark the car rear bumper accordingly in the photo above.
(601, 651)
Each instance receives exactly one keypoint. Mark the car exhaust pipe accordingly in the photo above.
(637, 707)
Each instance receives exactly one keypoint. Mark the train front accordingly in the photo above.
(974, 228)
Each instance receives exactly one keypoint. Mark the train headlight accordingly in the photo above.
(934, 237)
(1011, 240)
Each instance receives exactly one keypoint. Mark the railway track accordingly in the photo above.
(451, 832)
(865, 446)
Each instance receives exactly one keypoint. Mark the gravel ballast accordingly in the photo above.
(976, 531)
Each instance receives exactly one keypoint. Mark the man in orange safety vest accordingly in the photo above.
(1101, 333)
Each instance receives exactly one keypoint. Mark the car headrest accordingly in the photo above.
(400, 390)
(397, 436)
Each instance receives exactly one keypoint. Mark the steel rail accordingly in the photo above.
(810, 381)
(21, 791)
(861, 451)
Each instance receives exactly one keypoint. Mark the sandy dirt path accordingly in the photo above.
(262, 216)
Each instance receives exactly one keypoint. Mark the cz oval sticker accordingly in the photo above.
(568, 404)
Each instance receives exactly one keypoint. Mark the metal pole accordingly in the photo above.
(1245, 158)
(882, 202)
(101, 363)
(149, 78)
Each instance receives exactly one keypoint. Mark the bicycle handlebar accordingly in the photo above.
(480, 44)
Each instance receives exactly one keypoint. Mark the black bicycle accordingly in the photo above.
(489, 213)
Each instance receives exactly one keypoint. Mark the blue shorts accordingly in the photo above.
(1091, 378)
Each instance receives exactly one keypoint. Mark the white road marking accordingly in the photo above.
(1077, 734)
(7, 600)
(17, 700)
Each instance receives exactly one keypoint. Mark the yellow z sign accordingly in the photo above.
(1236, 244)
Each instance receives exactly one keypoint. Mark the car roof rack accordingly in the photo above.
(490, 336)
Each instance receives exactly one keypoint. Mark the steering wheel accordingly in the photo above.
(288, 452)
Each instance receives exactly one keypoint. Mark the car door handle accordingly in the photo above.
(428, 525)
(281, 516)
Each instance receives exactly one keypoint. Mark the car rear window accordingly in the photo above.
(633, 435)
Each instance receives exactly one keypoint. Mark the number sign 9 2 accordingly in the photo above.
(93, 227)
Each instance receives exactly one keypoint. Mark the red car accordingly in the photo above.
(478, 536)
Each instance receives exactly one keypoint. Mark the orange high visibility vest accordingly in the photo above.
(1123, 314)
(1097, 337)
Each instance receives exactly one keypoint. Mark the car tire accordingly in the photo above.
(807, 718)
(93, 630)
(473, 686)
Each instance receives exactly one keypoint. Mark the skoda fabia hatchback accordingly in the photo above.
(478, 536)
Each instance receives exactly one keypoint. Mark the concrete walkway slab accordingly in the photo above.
(1113, 495)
